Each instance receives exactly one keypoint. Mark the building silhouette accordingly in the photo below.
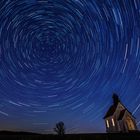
(118, 118)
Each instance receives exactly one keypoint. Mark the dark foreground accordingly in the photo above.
(102, 136)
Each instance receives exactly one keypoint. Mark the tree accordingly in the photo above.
(60, 128)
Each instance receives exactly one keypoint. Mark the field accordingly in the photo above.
(98, 136)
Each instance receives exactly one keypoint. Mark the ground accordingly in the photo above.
(99, 136)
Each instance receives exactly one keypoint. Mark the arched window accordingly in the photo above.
(130, 123)
(107, 123)
(113, 123)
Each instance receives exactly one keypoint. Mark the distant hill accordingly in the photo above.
(5, 132)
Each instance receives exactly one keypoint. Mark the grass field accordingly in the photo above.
(98, 136)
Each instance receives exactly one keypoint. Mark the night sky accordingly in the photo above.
(61, 60)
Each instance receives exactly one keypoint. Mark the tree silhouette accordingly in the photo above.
(60, 128)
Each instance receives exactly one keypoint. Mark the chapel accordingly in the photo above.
(118, 118)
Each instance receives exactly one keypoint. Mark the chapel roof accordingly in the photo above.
(111, 111)
(113, 108)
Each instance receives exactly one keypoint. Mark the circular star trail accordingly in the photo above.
(62, 59)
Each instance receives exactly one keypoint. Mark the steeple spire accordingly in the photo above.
(115, 98)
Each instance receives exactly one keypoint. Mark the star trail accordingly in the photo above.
(61, 60)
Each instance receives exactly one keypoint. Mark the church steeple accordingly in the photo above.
(115, 99)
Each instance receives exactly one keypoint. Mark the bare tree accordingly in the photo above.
(60, 128)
